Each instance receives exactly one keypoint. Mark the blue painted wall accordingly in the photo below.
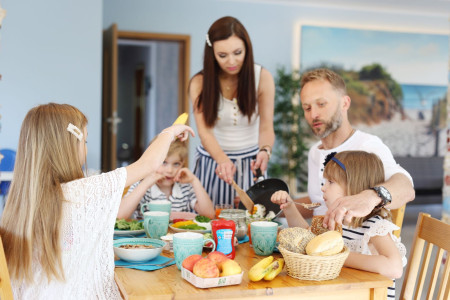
(50, 50)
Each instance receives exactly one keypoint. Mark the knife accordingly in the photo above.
(245, 199)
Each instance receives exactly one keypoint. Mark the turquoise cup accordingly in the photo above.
(264, 237)
(156, 223)
(188, 243)
(157, 205)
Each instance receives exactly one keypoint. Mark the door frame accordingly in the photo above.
(110, 83)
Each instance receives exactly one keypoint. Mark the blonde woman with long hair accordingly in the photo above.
(58, 225)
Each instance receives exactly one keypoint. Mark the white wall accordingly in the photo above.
(272, 24)
(50, 51)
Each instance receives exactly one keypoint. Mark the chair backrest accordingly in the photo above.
(9, 158)
(397, 218)
(5, 283)
(6, 164)
(434, 233)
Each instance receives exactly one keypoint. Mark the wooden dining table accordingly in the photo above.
(167, 283)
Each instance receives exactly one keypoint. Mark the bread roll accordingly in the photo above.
(328, 243)
(295, 239)
(317, 226)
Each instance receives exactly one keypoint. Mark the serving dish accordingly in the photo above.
(138, 255)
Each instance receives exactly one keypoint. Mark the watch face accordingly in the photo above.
(383, 193)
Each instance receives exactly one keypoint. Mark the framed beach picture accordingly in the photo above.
(397, 81)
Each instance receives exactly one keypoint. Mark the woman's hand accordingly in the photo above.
(184, 175)
(261, 162)
(225, 170)
(282, 198)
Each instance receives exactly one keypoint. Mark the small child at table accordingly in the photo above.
(171, 182)
(58, 225)
(372, 244)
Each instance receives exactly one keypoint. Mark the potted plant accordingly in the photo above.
(290, 154)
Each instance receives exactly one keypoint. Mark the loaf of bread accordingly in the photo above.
(295, 239)
(327, 243)
(317, 226)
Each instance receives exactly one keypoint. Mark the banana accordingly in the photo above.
(181, 119)
(259, 270)
(276, 267)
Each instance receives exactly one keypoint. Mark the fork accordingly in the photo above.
(156, 265)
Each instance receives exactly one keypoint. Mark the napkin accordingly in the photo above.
(244, 240)
(118, 237)
(157, 260)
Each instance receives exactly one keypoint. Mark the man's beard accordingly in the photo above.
(331, 126)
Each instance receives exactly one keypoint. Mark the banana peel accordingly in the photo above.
(182, 119)
(276, 268)
(260, 269)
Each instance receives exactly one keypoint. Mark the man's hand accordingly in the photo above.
(345, 208)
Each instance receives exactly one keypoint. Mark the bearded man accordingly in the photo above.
(325, 103)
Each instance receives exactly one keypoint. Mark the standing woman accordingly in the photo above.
(233, 101)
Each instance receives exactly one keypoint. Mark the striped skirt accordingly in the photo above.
(220, 191)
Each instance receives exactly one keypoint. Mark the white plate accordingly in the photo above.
(129, 232)
(187, 230)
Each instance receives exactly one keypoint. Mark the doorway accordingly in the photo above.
(145, 79)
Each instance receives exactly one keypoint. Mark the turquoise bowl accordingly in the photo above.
(138, 255)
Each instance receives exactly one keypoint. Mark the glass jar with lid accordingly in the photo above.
(238, 216)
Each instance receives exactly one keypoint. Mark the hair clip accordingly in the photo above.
(75, 131)
(331, 157)
(208, 41)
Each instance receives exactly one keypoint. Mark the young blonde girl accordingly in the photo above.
(58, 225)
(370, 239)
(173, 182)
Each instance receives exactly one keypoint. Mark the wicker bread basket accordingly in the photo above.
(307, 267)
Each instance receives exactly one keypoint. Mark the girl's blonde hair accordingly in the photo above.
(363, 170)
(47, 156)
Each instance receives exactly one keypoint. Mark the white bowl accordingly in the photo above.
(138, 255)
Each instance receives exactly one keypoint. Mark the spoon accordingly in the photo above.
(310, 206)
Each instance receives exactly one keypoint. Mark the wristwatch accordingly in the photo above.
(384, 194)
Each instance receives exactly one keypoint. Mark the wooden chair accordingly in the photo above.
(5, 283)
(397, 218)
(435, 233)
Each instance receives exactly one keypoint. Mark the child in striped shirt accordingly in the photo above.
(172, 181)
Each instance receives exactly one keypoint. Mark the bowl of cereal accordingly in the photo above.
(138, 249)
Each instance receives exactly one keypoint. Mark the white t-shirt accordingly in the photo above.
(358, 141)
(87, 231)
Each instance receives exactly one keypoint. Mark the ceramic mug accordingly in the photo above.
(157, 205)
(188, 243)
(264, 237)
(156, 223)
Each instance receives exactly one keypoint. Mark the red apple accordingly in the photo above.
(206, 268)
(189, 262)
(217, 257)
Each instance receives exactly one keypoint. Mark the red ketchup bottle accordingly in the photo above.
(223, 232)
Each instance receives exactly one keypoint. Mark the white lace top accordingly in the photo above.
(357, 239)
(87, 236)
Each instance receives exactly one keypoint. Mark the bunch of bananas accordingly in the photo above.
(267, 268)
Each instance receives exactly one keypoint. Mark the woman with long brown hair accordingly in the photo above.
(233, 101)
(58, 225)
